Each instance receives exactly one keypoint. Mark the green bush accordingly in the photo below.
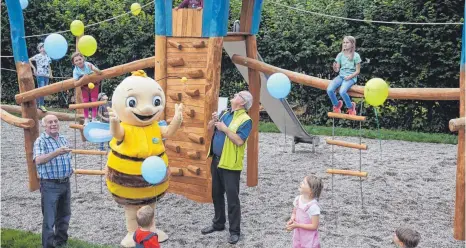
(406, 56)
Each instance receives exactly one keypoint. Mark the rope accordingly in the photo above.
(90, 25)
(8, 69)
(369, 21)
(378, 130)
(1, 56)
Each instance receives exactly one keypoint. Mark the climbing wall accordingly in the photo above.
(187, 151)
(186, 54)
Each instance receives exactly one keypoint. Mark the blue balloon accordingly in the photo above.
(55, 46)
(154, 169)
(24, 3)
(279, 85)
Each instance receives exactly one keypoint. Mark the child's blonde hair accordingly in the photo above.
(74, 55)
(408, 237)
(145, 216)
(352, 40)
(315, 184)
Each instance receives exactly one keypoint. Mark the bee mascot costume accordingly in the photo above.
(136, 104)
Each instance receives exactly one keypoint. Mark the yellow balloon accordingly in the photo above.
(77, 28)
(135, 8)
(376, 91)
(87, 45)
(184, 80)
(90, 86)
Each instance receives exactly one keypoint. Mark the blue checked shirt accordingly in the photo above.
(58, 167)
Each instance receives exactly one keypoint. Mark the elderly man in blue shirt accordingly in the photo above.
(53, 160)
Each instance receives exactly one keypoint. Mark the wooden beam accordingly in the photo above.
(196, 138)
(195, 73)
(173, 147)
(29, 111)
(457, 124)
(346, 116)
(194, 169)
(87, 105)
(190, 112)
(253, 140)
(194, 155)
(212, 91)
(174, 62)
(234, 38)
(459, 218)
(192, 93)
(77, 126)
(177, 172)
(348, 172)
(60, 115)
(175, 44)
(356, 91)
(346, 144)
(161, 64)
(247, 8)
(176, 96)
(71, 83)
(199, 44)
(88, 152)
(16, 121)
(89, 172)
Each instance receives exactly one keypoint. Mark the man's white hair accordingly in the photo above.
(247, 98)
(44, 118)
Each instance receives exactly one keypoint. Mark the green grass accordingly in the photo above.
(22, 239)
(371, 134)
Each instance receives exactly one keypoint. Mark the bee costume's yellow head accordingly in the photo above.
(138, 100)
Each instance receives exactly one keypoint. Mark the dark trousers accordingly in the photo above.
(56, 211)
(226, 181)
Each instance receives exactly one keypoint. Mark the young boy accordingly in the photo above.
(143, 237)
(406, 238)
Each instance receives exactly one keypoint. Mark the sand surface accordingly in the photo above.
(413, 184)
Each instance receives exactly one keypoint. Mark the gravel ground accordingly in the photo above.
(413, 184)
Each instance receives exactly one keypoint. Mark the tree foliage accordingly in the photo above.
(405, 56)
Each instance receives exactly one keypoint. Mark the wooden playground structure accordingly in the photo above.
(189, 43)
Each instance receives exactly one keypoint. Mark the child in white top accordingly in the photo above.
(304, 219)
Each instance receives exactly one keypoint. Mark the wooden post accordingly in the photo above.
(253, 140)
(247, 8)
(459, 222)
(214, 67)
(26, 83)
(161, 64)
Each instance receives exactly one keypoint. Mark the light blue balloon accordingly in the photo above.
(55, 46)
(279, 85)
(24, 3)
(154, 169)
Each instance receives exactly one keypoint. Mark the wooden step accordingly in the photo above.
(347, 172)
(77, 126)
(346, 116)
(87, 105)
(89, 172)
(89, 152)
(346, 144)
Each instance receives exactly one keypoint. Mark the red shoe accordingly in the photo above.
(352, 110)
(337, 109)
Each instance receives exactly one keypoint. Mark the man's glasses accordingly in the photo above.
(238, 94)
